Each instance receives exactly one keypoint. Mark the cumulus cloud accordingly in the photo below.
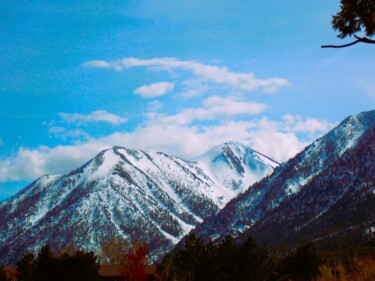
(310, 126)
(277, 139)
(98, 64)
(204, 73)
(95, 116)
(193, 88)
(154, 105)
(154, 90)
(213, 107)
(66, 134)
(33, 163)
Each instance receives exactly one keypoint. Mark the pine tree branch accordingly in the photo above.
(365, 40)
(359, 39)
(340, 46)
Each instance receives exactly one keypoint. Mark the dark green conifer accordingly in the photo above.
(3, 275)
(25, 267)
(355, 16)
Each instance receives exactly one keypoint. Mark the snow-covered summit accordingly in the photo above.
(293, 182)
(235, 166)
(133, 194)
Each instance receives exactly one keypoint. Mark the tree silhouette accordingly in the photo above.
(25, 267)
(355, 16)
(250, 257)
(3, 275)
(47, 266)
(303, 264)
(222, 261)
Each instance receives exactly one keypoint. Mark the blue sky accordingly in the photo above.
(177, 76)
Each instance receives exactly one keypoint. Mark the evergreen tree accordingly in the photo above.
(304, 263)
(226, 261)
(166, 270)
(78, 266)
(3, 275)
(25, 267)
(355, 16)
(250, 258)
(188, 259)
(45, 265)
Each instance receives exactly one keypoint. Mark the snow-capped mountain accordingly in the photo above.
(307, 191)
(234, 167)
(133, 194)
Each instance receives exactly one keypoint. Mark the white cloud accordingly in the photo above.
(99, 64)
(213, 107)
(65, 134)
(33, 163)
(204, 73)
(193, 88)
(190, 93)
(310, 126)
(154, 90)
(155, 105)
(96, 116)
(230, 106)
(276, 139)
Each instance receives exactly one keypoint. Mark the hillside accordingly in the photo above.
(131, 194)
(323, 191)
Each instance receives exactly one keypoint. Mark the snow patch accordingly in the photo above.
(370, 230)
(293, 188)
(110, 161)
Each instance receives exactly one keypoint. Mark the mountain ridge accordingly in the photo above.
(256, 205)
(125, 193)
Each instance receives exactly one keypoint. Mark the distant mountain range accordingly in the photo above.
(132, 194)
(325, 194)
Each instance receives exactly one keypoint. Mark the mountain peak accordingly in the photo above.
(235, 165)
(318, 177)
(233, 143)
(128, 193)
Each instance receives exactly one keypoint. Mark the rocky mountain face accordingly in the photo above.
(132, 194)
(327, 190)
(337, 206)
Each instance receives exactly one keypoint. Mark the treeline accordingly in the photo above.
(76, 265)
(229, 261)
(208, 261)
(194, 261)
(47, 266)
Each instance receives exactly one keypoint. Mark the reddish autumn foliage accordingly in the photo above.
(134, 264)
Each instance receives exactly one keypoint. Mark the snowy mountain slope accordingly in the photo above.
(234, 167)
(288, 180)
(137, 195)
(337, 206)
